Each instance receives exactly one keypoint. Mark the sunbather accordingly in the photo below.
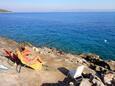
(27, 57)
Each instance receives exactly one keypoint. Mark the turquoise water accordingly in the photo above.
(80, 32)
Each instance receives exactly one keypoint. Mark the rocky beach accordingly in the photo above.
(97, 72)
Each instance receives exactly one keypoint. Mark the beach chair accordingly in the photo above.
(12, 56)
(76, 75)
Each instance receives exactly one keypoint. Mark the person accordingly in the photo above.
(29, 55)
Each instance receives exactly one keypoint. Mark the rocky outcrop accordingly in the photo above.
(97, 72)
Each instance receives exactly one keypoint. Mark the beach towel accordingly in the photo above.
(33, 63)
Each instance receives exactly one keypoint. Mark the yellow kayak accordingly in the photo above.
(35, 64)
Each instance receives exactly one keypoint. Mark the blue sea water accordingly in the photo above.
(74, 32)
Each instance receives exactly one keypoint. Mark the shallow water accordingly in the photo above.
(80, 32)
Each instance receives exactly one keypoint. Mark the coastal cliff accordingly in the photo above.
(55, 69)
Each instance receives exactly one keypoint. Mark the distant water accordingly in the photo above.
(80, 32)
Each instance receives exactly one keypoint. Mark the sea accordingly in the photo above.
(71, 32)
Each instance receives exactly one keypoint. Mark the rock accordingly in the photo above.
(71, 84)
(113, 82)
(97, 82)
(74, 59)
(85, 82)
(88, 70)
(35, 49)
(100, 69)
(90, 56)
(47, 52)
(111, 63)
(95, 60)
(108, 78)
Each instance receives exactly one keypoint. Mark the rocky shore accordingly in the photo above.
(97, 72)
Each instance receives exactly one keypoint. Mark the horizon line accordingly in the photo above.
(67, 10)
(74, 10)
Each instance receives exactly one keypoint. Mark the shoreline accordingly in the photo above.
(64, 51)
(54, 61)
